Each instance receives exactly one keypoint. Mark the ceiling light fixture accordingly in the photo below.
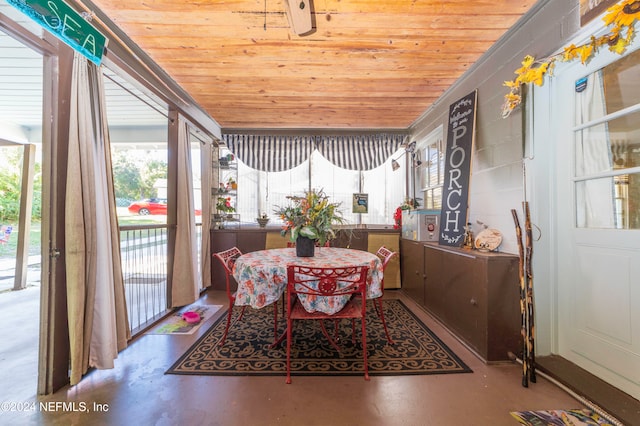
(299, 14)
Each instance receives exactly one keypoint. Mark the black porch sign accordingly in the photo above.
(457, 169)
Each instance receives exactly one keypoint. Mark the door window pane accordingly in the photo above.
(616, 84)
(610, 203)
(607, 147)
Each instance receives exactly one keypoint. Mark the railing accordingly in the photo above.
(143, 251)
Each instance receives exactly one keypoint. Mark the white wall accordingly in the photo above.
(497, 183)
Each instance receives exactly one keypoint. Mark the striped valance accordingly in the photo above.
(361, 152)
(276, 153)
(271, 153)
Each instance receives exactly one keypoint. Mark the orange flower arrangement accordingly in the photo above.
(311, 216)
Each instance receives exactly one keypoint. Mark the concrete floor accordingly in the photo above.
(137, 391)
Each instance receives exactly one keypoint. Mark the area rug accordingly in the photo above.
(176, 325)
(247, 350)
(578, 417)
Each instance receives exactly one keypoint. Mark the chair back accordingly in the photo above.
(325, 282)
(385, 256)
(228, 259)
(334, 284)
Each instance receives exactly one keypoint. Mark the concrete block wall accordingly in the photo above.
(497, 183)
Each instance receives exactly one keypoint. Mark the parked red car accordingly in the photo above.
(152, 206)
(149, 206)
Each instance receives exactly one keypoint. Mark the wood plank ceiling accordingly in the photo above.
(369, 64)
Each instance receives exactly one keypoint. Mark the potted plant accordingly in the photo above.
(309, 219)
(224, 205)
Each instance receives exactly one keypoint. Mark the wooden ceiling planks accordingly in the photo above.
(369, 64)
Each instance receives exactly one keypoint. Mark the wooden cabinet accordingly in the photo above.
(474, 294)
(351, 238)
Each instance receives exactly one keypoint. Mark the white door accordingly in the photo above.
(598, 218)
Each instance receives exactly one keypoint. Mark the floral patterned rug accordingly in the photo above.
(247, 350)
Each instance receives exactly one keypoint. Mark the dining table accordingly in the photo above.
(262, 275)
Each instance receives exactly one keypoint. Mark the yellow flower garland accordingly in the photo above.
(621, 17)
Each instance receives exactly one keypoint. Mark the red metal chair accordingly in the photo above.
(385, 256)
(327, 282)
(228, 259)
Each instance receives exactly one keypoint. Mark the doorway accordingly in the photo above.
(597, 149)
(21, 100)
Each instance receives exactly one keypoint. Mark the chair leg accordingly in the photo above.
(289, 325)
(241, 312)
(364, 349)
(275, 322)
(326, 334)
(226, 329)
(378, 304)
(229, 314)
(284, 306)
(375, 305)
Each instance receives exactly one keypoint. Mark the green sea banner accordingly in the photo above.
(64, 22)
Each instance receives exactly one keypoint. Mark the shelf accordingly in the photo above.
(231, 192)
(224, 169)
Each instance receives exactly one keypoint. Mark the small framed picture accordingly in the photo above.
(360, 203)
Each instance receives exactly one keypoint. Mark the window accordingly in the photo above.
(261, 192)
(607, 147)
(431, 170)
(138, 134)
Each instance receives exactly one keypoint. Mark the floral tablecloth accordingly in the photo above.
(262, 275)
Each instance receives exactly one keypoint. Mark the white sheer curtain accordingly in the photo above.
(185, 279)
(594, 197)
(97, 316)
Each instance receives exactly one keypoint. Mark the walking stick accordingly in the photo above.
(523, 297)
(529, 279)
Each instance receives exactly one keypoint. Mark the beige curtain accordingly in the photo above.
(205, 190)
(98, 323)
(185, 279)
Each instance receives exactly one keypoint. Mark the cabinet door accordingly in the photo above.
(252, 241)
(411, 258)
(503, 317)
(465, 298)
(433, 282)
